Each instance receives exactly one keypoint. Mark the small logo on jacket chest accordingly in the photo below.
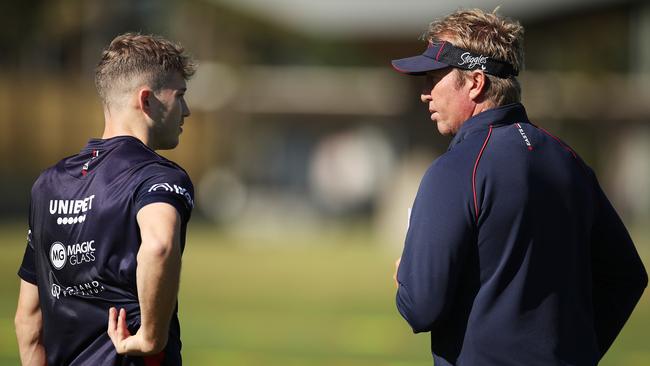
(523, 136)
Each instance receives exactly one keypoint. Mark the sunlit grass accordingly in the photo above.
(326, 299)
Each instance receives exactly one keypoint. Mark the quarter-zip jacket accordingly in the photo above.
(514, 255)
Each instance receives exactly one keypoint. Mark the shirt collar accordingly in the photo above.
(96, 143)
(503, 115)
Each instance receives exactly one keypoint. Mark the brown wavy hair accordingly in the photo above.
(132, 60)
(488, 34)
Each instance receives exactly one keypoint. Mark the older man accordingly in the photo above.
(514, 256)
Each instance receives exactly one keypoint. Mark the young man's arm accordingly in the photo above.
(29, 325)
(158, 276)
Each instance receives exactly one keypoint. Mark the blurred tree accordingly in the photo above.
(19, 21)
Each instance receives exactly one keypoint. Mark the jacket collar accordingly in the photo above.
(499, 116)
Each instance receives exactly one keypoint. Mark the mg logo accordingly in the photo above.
(57, 255)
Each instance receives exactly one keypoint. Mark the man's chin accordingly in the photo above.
(167, 145)
(443, 129)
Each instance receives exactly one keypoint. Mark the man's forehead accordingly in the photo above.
(438, 73)
(176, 82)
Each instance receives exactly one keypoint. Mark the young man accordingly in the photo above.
(107, 225)
(514, 256)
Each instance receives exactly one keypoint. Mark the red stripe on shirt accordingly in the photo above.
(560, 142)
(478, 158)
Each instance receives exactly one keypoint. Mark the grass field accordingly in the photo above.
(325, 299)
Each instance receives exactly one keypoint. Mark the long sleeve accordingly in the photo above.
(619, 277)
(440, 232)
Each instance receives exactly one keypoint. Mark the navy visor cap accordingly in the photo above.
(444, 54)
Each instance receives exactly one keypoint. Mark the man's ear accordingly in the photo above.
(478, 83)
(144, 101)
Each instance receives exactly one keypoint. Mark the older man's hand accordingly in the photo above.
(396, 269)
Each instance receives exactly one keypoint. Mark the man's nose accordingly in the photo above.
(425, 97)
(186, 110)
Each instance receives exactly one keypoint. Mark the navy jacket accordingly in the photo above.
(83, 245)
(514, 256)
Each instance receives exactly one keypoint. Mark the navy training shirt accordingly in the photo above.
(83, 241)
(514, 256)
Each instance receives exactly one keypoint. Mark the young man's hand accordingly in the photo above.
(124, 342)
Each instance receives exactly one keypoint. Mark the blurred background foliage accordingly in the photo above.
(306, 150)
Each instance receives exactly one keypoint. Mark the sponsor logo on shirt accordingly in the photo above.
(29, 237)
(84, 169)
(523, 136)
(75, 254)
(87, 289)
(71, 212)
(57, 255)
(173, 188)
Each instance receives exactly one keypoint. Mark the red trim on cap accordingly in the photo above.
(398, 69)
(440, 50)
(478, 158)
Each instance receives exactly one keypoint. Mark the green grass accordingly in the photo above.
(326, 299)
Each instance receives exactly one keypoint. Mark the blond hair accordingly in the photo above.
(132, 60)
(487, 34)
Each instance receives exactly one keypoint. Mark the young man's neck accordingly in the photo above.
(121, 123)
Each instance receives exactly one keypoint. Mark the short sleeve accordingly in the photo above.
(27, 270)
(168, 185)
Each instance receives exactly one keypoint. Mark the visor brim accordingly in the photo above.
(417, 65)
